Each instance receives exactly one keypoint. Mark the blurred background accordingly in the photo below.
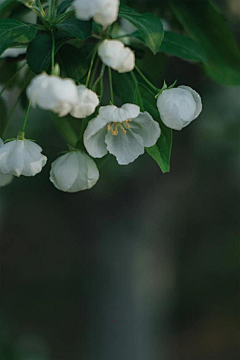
(144, 266)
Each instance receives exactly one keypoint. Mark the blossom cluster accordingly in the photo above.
(123, 131)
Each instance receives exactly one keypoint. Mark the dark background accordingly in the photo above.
(144, 266)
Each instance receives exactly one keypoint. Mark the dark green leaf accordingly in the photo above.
(207, 26)
(40, 49)
(79, 29)
(149, 26)
(183, 47)
(5, 4)
(74, 66)
(64, 6)
(15, 32)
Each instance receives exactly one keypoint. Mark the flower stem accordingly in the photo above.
(99, 80)
(26, 117)
(90, 68)
(94, 73)
(64, 16)
(51, 10)
(53, 50)
(111, 84)
(12, 78)
(146, 80)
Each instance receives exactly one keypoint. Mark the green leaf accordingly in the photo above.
(182, 47)
(161, 151)
(207, 26)
(14, 32)
(149, 26)
(63, 7)
(75, 66)
(79, 29)
(4, 4)
(40, 50)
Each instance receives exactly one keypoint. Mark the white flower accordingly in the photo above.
(179, 106)
(124, 132)
(13, 52)
(113, 53)
(104, 12)
(87, 102)
(21, 157)
(74, 171)
(53, 93)
(4, 179)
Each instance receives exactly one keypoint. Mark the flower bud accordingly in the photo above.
(21, 157)
(113, 53)
(179, 106)
(74, 171)
(104, 12)
(87, 102)
(53, 93)
(4, 179)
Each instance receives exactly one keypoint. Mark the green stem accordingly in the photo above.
(12, 78)
(94, 73)
(53, 50)
(41, 8)
(64, 16)
(146, 88)
(111, 84)
(100, 79)
(90, 68)
(51, 10)
(26, 117)
(146, 80)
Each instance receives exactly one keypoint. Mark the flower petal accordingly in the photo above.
(114, 114)
(5, 179)
(95, 144)
(125, 147)
(65, 170)
(147, 128)
(197, 99)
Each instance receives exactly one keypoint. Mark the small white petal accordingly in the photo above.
(113, 53)
(114, 114)
(197, 99)
(147, 128)
(5, 180)
(125, 147)
(87, 102)
(95, 144)
(13, 52)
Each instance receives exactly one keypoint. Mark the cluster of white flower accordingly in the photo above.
(124, 132)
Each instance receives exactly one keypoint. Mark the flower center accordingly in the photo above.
(113, 126)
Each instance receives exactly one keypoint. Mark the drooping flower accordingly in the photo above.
(179, 106)
(21, 157)
(113, 53)
(74, 171)
(4, 179)
(104, 12)
(51, 92)
(123, 132)
(87, 102)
